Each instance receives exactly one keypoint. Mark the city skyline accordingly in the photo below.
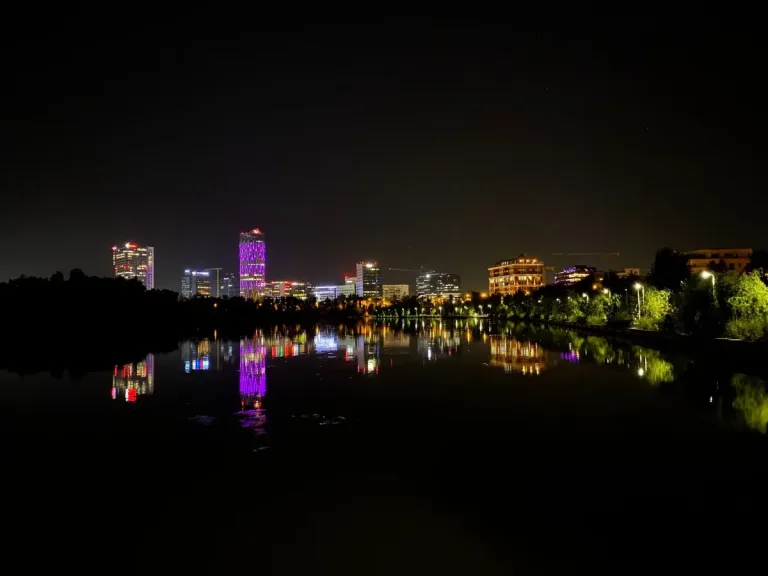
(595, 141)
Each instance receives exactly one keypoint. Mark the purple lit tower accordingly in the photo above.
(253, 267)
(253, 370)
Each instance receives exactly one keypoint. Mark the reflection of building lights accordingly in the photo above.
(253, 375)
(134, 380)
(371, 364)
(515, 355)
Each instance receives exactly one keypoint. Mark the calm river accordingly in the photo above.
(434, 447)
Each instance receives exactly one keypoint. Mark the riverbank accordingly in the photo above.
(747, 357)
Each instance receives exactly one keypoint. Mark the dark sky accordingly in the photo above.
(445, 145)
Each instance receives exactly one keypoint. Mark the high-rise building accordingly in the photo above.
(574, 274)
(522, 274)
(130, 260)
(229, 286)
(196, 283)
(368, 281)
(253, 264)
(215, 276)
(283, 288)
(395, 291)
(431, 284)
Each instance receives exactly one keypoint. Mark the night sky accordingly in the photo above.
(450, 146)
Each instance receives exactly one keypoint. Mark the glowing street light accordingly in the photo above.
(606, 291)
(639, 287)
(706, 274)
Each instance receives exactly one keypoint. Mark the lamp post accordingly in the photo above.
(706, 274)
(639, 287)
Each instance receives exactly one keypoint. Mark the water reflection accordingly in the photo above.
(133, 380)
(371, 350)
(517, 355)
(751, 400)
(253, 371)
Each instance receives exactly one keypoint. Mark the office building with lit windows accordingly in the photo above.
(130, 261)
(431, 284)
(333, 291)
(395, 291)
(574, 275)
(368, 283)
(196, 283)
(229, 286)
(522, 274)
(285, 288)
(253, 264)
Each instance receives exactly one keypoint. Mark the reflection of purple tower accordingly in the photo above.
(253, 373)
(253, 267)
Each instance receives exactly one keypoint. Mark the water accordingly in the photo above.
(432, 447)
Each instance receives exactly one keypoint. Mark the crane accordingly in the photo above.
(585, 253)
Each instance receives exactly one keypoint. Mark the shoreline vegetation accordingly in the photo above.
(66, 318)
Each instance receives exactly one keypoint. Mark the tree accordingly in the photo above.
(748, 308)
(758, 261)
(656, 306)
(669, 269)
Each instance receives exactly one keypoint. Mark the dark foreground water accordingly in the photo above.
(432, 448)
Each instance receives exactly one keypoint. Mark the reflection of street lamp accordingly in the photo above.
(639, 287)
(707, 274)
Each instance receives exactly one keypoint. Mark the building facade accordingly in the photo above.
(731, 260)
(133, 261)
(196, 283)
(229, 286)
(395, 291)
(284, 288)
(333, 291)
(253, 264)
(574, 275)
(626, 272)
(368, 281)
(433, 284)
(522, 274)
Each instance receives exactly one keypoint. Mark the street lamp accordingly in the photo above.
(639, 287)
(706, 274)
(606, 291)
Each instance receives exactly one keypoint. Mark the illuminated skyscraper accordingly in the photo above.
(132, 261)
(368, 281)
(253, 266)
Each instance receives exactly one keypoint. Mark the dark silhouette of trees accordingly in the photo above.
(669, 269)
(758, 261)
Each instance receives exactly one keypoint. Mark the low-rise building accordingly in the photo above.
(285, 288)
(522, 274)
(574, 274)
(333, 291)
(625, 272)
(395, 291)
(731, 260)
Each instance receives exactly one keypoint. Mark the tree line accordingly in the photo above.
(670, 299)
